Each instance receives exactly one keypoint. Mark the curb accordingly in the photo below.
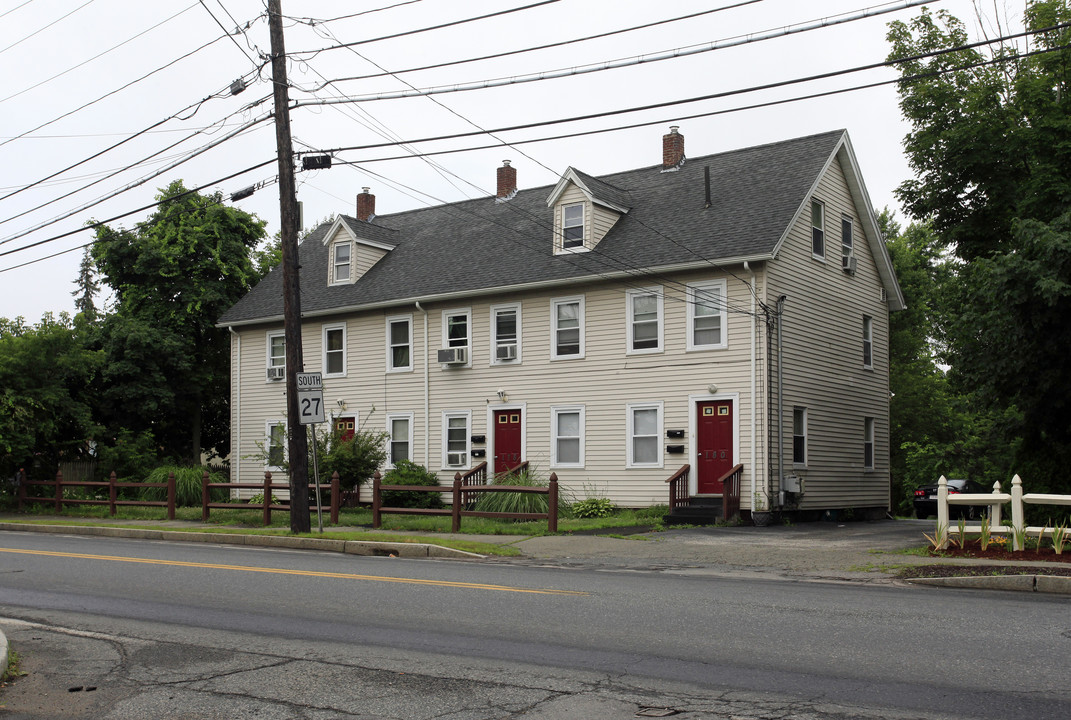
(1021, 583)
(350, 547)
(4, 654)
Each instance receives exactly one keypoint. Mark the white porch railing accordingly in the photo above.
(995, 501)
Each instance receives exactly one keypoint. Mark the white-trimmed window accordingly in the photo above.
(334, 338)
(505, 334)
(456, 439)
(400, 343)
(457, 331)
(818, 229)
(644, 435)
(868, 443)
(400, 442)
(573, 226)
(276, 355)
(341, 254)
(847, 240)
(567, 328)
(644, 320)
(799, 436)
(567, 436)
(868, 342)
(706, 315)
(275, 445)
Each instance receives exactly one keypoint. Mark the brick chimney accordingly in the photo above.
(507, 180)
(672, 149)
(366, 205)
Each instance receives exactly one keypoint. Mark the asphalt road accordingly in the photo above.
(170, 630)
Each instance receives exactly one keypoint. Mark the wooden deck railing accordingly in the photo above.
(730, 495)
(113, 501)
(475, 476)
(457, 507)
(678, 488)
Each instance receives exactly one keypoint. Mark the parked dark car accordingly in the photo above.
(926, 500)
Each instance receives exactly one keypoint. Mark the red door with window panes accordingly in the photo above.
(714, 445)
(507, 440)
(346, 426)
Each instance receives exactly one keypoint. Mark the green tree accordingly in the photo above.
(173, 276)
(990, 145)
(44, 415)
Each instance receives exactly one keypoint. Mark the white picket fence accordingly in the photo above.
(995, 501)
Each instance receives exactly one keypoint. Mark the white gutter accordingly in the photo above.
(517, 287)
(427, 391)
(236, 442)
(754, 404)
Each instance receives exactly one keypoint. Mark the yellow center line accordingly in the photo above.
(305, 573)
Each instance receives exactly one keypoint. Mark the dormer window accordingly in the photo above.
(573, 226)
(341, 263)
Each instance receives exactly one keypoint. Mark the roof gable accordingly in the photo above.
(596, 191)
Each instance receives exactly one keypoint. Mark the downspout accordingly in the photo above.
(780, 398)
(754, 406)
(236, 443)
(427, 390)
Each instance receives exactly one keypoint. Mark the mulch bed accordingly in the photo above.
(1000, 555)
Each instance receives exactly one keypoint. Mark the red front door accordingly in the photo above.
(714, 445)
(507, 440)
(346, 427)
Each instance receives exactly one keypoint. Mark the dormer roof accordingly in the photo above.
(365, 233)
(597, 191)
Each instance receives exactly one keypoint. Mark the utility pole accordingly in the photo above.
(298, 444)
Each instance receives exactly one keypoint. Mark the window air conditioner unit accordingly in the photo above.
(453, 356)
(455, 459)
(507, 352)
(848, 263)
(276, 373)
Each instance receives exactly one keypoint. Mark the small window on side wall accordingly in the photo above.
(799, 436)
(868, 443)
(868, 342)
(818, 231)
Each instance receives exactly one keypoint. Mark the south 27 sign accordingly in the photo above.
(310, 396)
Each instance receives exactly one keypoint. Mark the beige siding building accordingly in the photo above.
(722, 311)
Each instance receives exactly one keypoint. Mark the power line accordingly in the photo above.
(543, 47)
(8, 12)
(315, 21)
(98, 55)
(46, 27)
(633, 60)
(227, 32)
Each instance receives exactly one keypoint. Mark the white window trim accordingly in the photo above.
(390, 354)
(869, 432)
(555, 411)
(554, 303)
(267, 350)
(467, 312)
(334, 264)
(446, 415)
(806, 437)
(630, 320)
(707, 286)
(847, 250)
(630, 408)
(268, 425)
(584, 245)
(391, 417)
(345, 354)
(495, 309)
(810, 237)
(868, 339)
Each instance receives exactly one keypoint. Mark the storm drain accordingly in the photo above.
(656, 712)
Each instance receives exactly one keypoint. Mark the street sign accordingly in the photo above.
(310, 394)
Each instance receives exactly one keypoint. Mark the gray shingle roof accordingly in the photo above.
(476, 245)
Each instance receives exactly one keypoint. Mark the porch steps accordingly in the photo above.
(703, 510)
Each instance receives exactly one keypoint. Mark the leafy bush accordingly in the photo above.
(406, 472)
(596, 507)
(258, 499)
(508, 502)
(187, 485)
(131, 456)
(355, 459)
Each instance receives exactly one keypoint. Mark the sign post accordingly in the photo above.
(310, 396)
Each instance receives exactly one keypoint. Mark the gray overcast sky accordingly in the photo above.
(60, 55)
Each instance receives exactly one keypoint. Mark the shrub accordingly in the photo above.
(406, 472)
(507, 502)
(187, 485)
(596, 507)
(258, 499)
(355, 459)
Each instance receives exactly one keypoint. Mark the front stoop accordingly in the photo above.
(703, 510)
